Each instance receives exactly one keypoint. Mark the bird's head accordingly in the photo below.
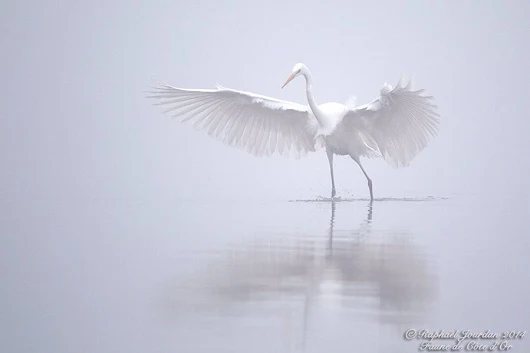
(298, 69)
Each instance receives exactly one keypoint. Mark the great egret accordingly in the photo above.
(395, 126)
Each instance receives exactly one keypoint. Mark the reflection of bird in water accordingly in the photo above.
(373, 274)
(364, 229)
(382, 265)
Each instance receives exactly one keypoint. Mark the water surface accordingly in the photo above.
(289, 276)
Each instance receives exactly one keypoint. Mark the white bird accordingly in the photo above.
(395, 126)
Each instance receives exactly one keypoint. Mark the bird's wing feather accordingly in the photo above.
(257, 124)
(400, 121)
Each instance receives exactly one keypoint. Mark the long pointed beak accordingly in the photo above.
(288, 79)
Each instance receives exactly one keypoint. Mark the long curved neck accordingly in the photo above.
(317, 112)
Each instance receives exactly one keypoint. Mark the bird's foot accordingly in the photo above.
(333, 193)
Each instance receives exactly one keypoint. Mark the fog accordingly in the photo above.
(124, 230)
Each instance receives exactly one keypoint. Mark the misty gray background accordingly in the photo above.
(104, 199)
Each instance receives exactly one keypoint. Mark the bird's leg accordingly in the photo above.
(330, 159)
(367, 178)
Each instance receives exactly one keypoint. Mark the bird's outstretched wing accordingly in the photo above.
(257, 124)
(400, 121)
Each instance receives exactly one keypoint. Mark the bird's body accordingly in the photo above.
(396, 126)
